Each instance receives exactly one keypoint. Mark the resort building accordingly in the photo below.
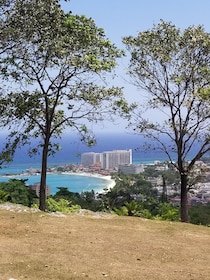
(89, 159)
(112, 159)
(109, 160)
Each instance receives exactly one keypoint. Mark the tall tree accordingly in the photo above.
(172, 67)
(58, 64)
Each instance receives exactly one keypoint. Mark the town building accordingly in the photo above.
(131, 168)
(112, 159)
(89, 159)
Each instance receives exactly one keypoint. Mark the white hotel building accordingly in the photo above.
(88, 159)
(109, 160)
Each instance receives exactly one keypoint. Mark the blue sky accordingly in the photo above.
(121, 18)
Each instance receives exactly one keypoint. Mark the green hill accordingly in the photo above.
(100, 246)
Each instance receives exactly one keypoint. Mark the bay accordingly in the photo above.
(70, 152)
(74, 183)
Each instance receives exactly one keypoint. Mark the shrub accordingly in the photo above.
(168, 212)
(61, 205)
(3, 196)
(123, 211)
(146, 214)
(200, 214)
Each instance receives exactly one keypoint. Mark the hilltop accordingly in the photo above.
(87, 245)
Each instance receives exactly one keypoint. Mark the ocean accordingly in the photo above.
(71, 150)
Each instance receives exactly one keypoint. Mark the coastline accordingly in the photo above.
(111, 182)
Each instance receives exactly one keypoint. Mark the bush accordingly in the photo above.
(200, 215)
(61, 205)
(3, 196)
(168, 212)
(146, 214)
(123, 211)
(132, 207)
(18, 192)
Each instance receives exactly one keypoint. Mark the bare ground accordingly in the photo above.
(99, 246)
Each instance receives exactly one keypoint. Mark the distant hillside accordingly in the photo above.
(99, 246)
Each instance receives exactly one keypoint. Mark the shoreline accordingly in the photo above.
(110, 182)
(94, 175)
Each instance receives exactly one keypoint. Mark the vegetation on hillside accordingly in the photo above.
(132, 195)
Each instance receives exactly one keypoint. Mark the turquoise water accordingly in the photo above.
(74, 183)
(71, 153)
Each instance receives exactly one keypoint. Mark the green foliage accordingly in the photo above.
(132, 207)
(171, 175)
(173, 67)
(144, 187)
(146, 214)
(126, 187)
(59, 58)
(64, 193)
(168, 212)
(91, 201)
(18, 192)
(86, 200)
(146, 203)
(61, 205)
(123, 211)
(163, 211)
(151, 171)
(3, 196)
(200, 214)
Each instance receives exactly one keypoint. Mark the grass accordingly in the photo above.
(99, 246)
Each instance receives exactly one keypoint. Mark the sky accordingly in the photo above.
(121, 18)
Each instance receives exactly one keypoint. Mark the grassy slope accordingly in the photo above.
(96, 246)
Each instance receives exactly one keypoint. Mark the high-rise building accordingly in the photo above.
(109, 160)
(112, 159)
(88, 159)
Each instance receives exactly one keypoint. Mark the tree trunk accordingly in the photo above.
(42, 194)
(184, 200)
(164, 191)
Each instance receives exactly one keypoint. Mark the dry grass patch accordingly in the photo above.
(93, 246)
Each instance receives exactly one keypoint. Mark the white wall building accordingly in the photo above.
(131, 168)
(109, 160)
(112, 159)
(88, 159)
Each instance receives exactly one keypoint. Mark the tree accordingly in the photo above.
(164, 197)
(4, 6)
(57, 64)
(173, 68)
(64, 193)
(18, 192)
